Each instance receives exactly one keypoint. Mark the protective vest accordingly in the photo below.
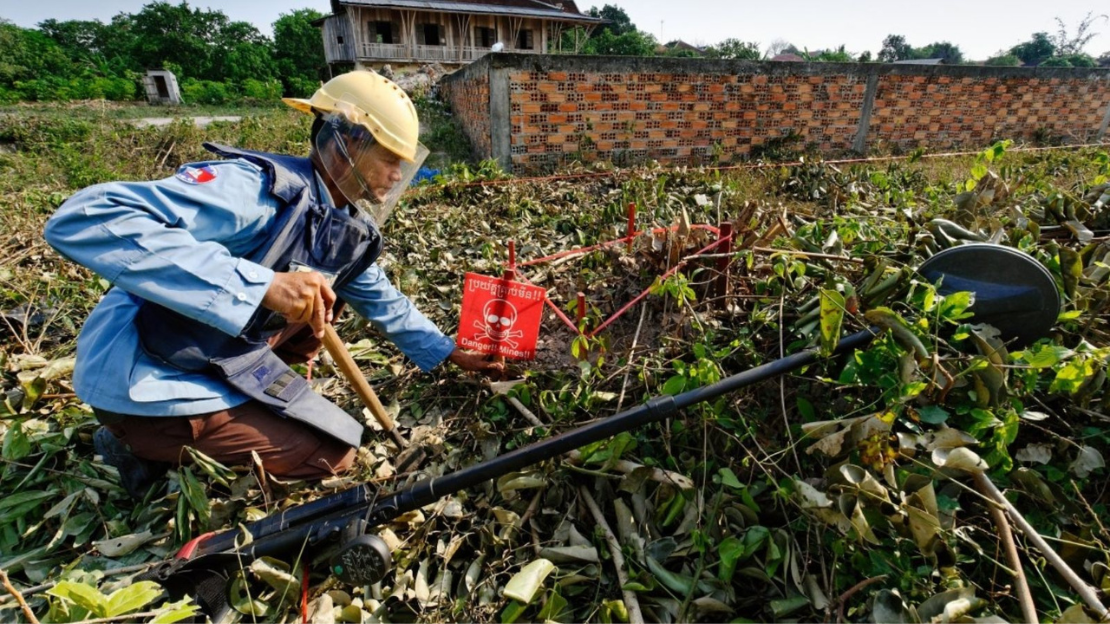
(339, 243)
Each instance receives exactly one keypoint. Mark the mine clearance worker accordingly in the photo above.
(228, 270)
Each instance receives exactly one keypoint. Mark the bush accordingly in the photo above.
(268, 90)
(206, 92)
(298, 87)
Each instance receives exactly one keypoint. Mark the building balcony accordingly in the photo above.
(427, 53)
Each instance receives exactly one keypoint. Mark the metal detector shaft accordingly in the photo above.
(654, 410)
(274, 536)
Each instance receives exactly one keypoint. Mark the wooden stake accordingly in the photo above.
(347, 365)
(720, 288)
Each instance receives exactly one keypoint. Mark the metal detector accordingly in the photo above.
(1012, 291)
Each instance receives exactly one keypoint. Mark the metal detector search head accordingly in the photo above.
(1013, 291)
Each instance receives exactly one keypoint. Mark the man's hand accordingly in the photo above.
(475, 362)
(301, 297)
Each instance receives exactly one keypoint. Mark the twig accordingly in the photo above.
(635, 616)
(27, 609)
(128, 617)
(1025, 598)
(851, 592)
(1085, 591)
(809, 254)
(631, 354)
(1083, 499)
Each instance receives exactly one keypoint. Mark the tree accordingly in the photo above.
(1104, 60)
(631, 43)
(895, 48)
(618, 21)
(780, 46)
(865, 57)
(950, 53)
(298, 49)
(1036, 50)
(735, 49)
(29, 54)
(1070, 45)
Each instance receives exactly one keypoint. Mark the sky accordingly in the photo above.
(980, 28)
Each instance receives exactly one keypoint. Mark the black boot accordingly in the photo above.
(136, 475)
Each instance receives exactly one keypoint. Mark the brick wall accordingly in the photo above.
(535, 112)
(468, 95)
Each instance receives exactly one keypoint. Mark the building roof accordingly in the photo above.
(934, 61)
(561, 10)
(788, 56)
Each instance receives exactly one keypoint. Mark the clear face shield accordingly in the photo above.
(369, 176)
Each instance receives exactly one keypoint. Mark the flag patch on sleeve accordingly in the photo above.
(196, 175)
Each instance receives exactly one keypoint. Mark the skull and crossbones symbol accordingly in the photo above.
(498, 317)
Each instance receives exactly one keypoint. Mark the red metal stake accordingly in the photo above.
(720, 289)
(630, 232)
(510, 273)
(581, 307)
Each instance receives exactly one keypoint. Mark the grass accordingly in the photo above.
(748, 453)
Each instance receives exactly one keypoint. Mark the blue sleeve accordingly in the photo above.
(177, 242)
(391, 312)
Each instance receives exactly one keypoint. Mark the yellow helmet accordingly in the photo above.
(373, 102)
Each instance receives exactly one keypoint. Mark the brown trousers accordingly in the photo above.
(288, 448)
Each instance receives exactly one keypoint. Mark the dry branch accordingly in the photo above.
(635, 616)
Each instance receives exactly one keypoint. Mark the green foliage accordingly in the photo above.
(298, 51)
(895, 48)
(735, 49)
(1003, 60)
(1035, 51)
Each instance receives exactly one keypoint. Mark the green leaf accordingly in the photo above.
(978, 171)
(132, 598)
(954, 307)
(805, 408)
(1046, 356)
(675, 385)
(82, 595)
(933, 414)
(16, 443)
(194, 494)
(832, 317)
(730, 551)
(175, 612)
(728, 478)
(554, 607)
(524, 584)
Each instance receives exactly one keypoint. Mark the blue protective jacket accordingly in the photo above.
(184, 243)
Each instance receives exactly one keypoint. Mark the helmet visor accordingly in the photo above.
(369, 176)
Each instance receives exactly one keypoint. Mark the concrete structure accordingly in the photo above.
(161, 87)
(533, 113)
(369, 33)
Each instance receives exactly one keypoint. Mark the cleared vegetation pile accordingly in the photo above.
(777, 501)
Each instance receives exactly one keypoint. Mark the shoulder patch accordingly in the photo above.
(196, 175)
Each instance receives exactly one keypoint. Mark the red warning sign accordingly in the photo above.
(500, 316)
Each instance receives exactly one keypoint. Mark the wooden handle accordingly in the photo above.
(347, 365)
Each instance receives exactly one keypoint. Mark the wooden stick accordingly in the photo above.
(1085, 591)
(347, 365)
(23, 603)
(1025, 599)
(635, 616)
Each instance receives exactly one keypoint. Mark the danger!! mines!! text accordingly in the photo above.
(496, 349)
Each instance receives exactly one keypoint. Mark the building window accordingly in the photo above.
(484, 37)
(382, 32)
(524, 40)
(431, 34)
(339, 40)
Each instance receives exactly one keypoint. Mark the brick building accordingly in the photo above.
(367, 33)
